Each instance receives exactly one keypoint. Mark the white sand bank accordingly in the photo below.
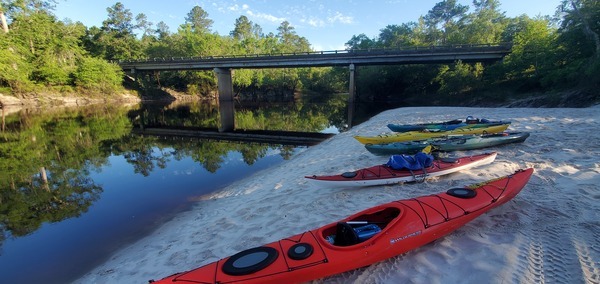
(549, 233)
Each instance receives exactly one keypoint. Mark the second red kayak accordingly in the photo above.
(383, 174)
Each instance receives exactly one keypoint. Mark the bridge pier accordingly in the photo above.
(351, 93)
(226, 111)
(352, 87)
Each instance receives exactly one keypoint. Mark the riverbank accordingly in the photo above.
(62, 100)
(578, 98)
(547, 233)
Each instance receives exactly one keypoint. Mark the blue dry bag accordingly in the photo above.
(416, 162)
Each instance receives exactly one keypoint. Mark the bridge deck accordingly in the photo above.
(420, 55)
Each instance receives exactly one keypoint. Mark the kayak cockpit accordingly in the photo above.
(360, 228)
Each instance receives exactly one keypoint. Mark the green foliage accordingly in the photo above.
(324, 80)
(531, 52)
(41, 51)
(361, 41)
(14, 69)
(98, 75)
(458, 79)
(198, 20)
(441, 20)
(119, 20)
(543, 58)
(485, 25)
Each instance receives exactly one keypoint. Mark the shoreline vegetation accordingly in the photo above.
(555, 60)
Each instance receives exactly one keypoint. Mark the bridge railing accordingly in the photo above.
(464, 47)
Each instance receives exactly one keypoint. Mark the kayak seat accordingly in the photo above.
(349, 174)
(345, 235)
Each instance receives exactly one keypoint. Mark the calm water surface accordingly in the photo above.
(76, 185)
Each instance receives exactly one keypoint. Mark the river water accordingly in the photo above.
(76, 184)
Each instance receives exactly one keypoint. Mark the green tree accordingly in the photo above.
(57, 50)
(98, 75)
(460, 78)
(115, 40)
(39, 48)
(360, 41)
(441, 20)
(3, 22)
(245, 29)
(485, 25)
(14, 69)
(577, 58)
(144, 25)
(398, 36)
(531, 52)
(247, 36)
(119, 20)
(162, 30)
(583, 16)
(290, 40)
(198, 19)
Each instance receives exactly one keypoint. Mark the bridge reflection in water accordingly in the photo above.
(254, 136)
(158, 120)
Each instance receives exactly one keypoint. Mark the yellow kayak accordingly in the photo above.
(421, 135)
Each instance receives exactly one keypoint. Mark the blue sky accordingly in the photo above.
(326, 24)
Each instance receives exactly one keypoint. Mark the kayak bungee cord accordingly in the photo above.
(443, 201)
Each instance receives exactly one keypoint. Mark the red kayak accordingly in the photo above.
(383, 174)
(367, 237)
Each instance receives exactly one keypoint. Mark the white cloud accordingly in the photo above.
(234, 8)
(264, 16)
(313, 22)
(339, 17)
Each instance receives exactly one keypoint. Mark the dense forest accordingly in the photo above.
(551, 55)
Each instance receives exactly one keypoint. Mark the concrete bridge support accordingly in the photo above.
(351, 93)
(351, 87)
(225, 85)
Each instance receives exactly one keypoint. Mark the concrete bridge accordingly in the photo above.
(413, 55)
(222, 65)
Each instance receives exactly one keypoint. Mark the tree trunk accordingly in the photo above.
(31, 46)
(3, 120)
(157, 75)
(587, 30)
(44, 178)
(3, 22)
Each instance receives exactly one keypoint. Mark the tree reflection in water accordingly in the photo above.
(47, 156)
